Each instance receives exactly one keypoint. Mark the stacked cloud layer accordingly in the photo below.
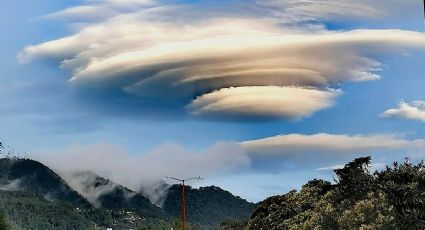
(222, 65)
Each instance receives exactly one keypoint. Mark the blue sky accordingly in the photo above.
(276, 126)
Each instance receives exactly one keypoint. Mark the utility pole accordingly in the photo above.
(183, 196)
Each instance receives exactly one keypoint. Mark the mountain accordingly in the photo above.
(207, 206)
(107, 194)
(33, 177)
(32, 196)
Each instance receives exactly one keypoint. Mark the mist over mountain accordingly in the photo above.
(33, 177)
(156, 192)
(27, 187)
(206, 206)
(101, 192)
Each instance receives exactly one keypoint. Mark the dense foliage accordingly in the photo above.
(207, 206)
(32, 176)
(121, 198)
(232, 225)
(391, 199)
(31, 212)
(4, 222)
(167, 225)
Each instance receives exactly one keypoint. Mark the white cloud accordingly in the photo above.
(13, 185)
(330, 168)
(373, 167)
(97, 9)
(136, 171)
(263, 101)
(328, 145)
(414, 111)
(278, 156)
(86, 184)
(159, 54)
(341, 10)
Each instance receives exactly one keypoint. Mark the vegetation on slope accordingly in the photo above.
(34, 197)
(34, 177)
(27, 211)
(111, 195)
(391, 199)
(207, 206)
(4, 222)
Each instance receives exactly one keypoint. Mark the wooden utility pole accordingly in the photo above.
(183, 203)
(183, 197)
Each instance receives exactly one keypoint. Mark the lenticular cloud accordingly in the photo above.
(262, 101)
(221, 65)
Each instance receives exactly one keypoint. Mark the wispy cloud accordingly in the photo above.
(153, 52)
(373, 167)
(342, 10)
(101, 9)
(284, 155)
(143, 170)
(300, 150)
(139, 170)
(87, 185)
(414, 111)
(14, 185)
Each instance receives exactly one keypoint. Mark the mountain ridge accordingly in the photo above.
(34, 177)
(222, 205)
(102, 202)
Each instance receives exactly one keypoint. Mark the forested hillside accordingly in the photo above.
(33, 177)
(107, 194)
(32, 196)
(207, 206)
(391, 199)
(26, 211)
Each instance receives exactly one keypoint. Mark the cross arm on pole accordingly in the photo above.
(168, 177)
(194, 178)
(183, 205)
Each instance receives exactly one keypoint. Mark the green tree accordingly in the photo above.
(4, 223)
(372, 213)
(355, 201)
(354, 181)
(404, 185)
